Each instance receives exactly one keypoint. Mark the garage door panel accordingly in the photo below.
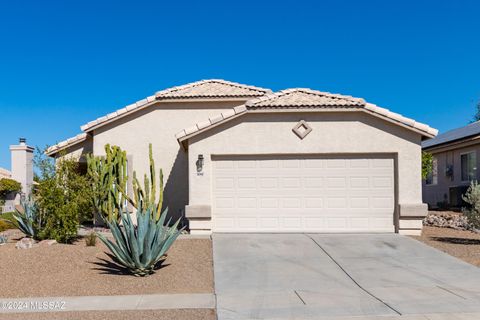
(359, 202)
(382, 182)
(313, 202)
(359, 163)
(303, 194)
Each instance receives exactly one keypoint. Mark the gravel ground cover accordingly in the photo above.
(78, 270)
(462, 244)
(198, 314)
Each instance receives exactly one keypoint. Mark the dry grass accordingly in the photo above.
(464, 245)
(78, 270)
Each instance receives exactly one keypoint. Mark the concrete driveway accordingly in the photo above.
(315, 276)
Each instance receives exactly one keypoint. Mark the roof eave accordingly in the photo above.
(121, 113)
(453, 143)
(114, 116)
(188, 134)
(54, 150)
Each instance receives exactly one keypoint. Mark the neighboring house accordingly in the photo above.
(239, 158)
(456, 156)
(4, 173)
(5, 201)
(22, 171)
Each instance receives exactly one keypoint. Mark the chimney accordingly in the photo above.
(22, 165)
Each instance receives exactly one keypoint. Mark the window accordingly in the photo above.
(432, 177)
(469, 166)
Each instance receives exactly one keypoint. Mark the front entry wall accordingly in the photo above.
(339, 134)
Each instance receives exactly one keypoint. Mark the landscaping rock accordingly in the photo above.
(26, 243)
(47, 242)
(452, 220)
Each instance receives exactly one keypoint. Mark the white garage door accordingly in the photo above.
(303, 194)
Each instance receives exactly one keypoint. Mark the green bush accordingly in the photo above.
(63, 196)
(9, 185)
(6, 221)
(427, 164)
(91, 239)
(62, 224)
(472, 197)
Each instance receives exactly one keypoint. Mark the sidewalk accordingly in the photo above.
(107, 303)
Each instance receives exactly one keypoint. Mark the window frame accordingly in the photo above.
(475, 166)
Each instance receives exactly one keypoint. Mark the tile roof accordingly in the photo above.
(453, 135)
(203, 89)
(66, 143)
(300, 98)
(213, 88)
(226, 115)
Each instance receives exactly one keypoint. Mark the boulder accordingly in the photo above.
(47, 242)
(26, 243)
(452, 220)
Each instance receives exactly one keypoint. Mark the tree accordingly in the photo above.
(476, 116)
(427, 164)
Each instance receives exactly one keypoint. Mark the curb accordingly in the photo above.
(108, 303)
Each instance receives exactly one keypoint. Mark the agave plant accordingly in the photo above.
(3, 239)
(27, 219)
(141, 248)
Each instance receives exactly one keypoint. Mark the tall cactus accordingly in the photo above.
(109, 181)
(147, 196)
(107, 174)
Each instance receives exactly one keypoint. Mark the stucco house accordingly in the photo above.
(240, 158)
(4, 173)
(455, 161)
(21, 171)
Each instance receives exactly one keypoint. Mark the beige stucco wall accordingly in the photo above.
(432, 194)
(333, 133)
(78, 150)
(158, 125)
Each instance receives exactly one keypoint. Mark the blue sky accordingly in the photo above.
(64, 63)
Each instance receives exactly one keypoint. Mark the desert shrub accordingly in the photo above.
(4, 225)
(91, 239)
(427, 164)
(63, 196)
(472, 198)
(7, 221)
(62, 224)
(9, 185)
